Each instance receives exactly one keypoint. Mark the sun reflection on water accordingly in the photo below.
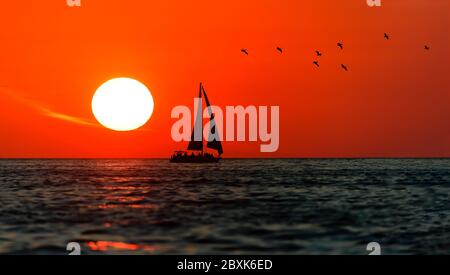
(119, 246)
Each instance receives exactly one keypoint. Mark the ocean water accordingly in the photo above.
(285, 206)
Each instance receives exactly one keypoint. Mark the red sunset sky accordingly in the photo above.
(393, 102)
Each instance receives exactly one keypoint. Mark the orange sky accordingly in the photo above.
(394, 101)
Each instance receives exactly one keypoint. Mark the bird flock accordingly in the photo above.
(340, 45)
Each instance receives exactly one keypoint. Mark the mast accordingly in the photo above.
(201, 114)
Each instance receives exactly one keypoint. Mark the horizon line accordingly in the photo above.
(231, 158)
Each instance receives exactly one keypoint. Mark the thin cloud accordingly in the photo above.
(46, 111)
(65, 117)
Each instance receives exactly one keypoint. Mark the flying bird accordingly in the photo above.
(344, 67)
(386, 36)
(280, 49)
(319, 54)
(340, 45)
(244, 51)
(427, 48)
(316, 63)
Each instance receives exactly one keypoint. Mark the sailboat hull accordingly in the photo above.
(193, 159)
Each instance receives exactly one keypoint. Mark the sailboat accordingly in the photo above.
(196, 152)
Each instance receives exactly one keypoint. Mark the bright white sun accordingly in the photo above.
(122, 104)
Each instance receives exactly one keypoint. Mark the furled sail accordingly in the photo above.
(214, 139)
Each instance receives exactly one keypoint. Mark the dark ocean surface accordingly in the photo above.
(281, 206)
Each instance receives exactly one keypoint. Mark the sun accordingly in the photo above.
(122, 104)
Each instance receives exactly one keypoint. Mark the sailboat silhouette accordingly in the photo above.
(196, 144)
